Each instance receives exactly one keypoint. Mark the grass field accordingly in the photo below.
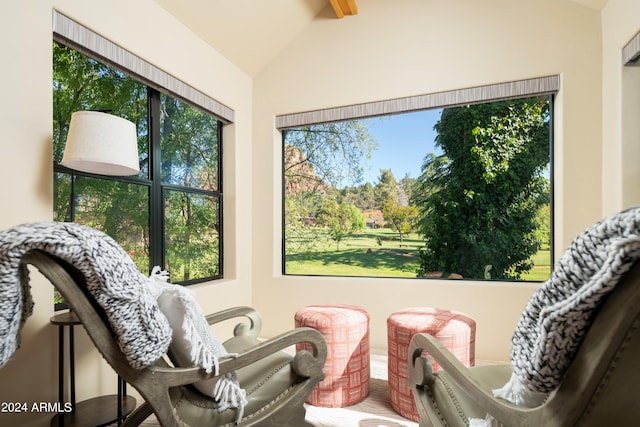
(379, 253)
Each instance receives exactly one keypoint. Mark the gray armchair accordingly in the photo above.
(277, 383)
(599, 388)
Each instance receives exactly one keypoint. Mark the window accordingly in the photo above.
(170, 214)
(462, 191)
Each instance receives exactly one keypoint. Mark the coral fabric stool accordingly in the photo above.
(346, 331)
(456, 331)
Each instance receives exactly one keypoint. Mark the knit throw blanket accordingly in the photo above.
(559, 313)
(129, 299)
(113, 279)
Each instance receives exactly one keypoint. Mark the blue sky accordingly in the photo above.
(403, 141)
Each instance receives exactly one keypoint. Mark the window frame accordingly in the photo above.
(541, 86)
(75, 36)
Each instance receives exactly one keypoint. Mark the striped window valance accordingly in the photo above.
(79, 37)
(495, 92)
(631, 52)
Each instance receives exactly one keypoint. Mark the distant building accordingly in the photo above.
(374, 219)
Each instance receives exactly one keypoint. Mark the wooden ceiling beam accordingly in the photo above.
(344, 7)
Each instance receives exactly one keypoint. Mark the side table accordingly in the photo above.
(95, 412)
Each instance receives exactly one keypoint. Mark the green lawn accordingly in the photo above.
(378, 253)
(542, 267)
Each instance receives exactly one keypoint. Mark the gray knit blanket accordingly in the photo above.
(129, 299)
(559, 313)
(141, 330)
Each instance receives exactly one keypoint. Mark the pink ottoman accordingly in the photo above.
(456, 331)
(346, 330)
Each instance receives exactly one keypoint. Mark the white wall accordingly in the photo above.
(411, 47)
(26, 174)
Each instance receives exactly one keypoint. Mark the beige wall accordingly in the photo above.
(390, 49)
(621, 108)
(26, 175)
(411, 47)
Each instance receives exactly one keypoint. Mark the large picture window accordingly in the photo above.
(463, 191)
(170, 213)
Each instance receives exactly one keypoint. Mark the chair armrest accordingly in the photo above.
(421, 376)
(305, 363)
(241, 329)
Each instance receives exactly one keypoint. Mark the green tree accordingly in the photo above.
(118, 209)
(386, 189)
(406, 187)
(302, 236)
(401, 218)
(362, 196)
(367, 197)
(189, 141)
(331, 153)
(479, 200)
(340, 219)
(81, 83)
(317, 160)
(189, 144)
(543, 226)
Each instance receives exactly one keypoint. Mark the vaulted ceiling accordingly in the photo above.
(250, 33)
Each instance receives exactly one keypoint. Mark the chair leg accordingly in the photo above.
(138, 416)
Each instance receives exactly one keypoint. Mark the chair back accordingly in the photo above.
(603, 381)
(71, 284)
(279, 382)
(599, 388)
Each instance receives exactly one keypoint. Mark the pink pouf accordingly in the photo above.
(346, 331)
(456, 331)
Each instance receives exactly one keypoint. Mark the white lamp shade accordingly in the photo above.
(101, 143)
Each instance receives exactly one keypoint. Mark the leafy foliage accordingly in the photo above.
(479, 200)
(81, 83)
(401, 218)
(189, 144)
(340, 219)
(482, 206)
(185, 193)
(332, 152)
(387, 188)
(363, 196)
(118, 209)
(191, 235)
(317, 160)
